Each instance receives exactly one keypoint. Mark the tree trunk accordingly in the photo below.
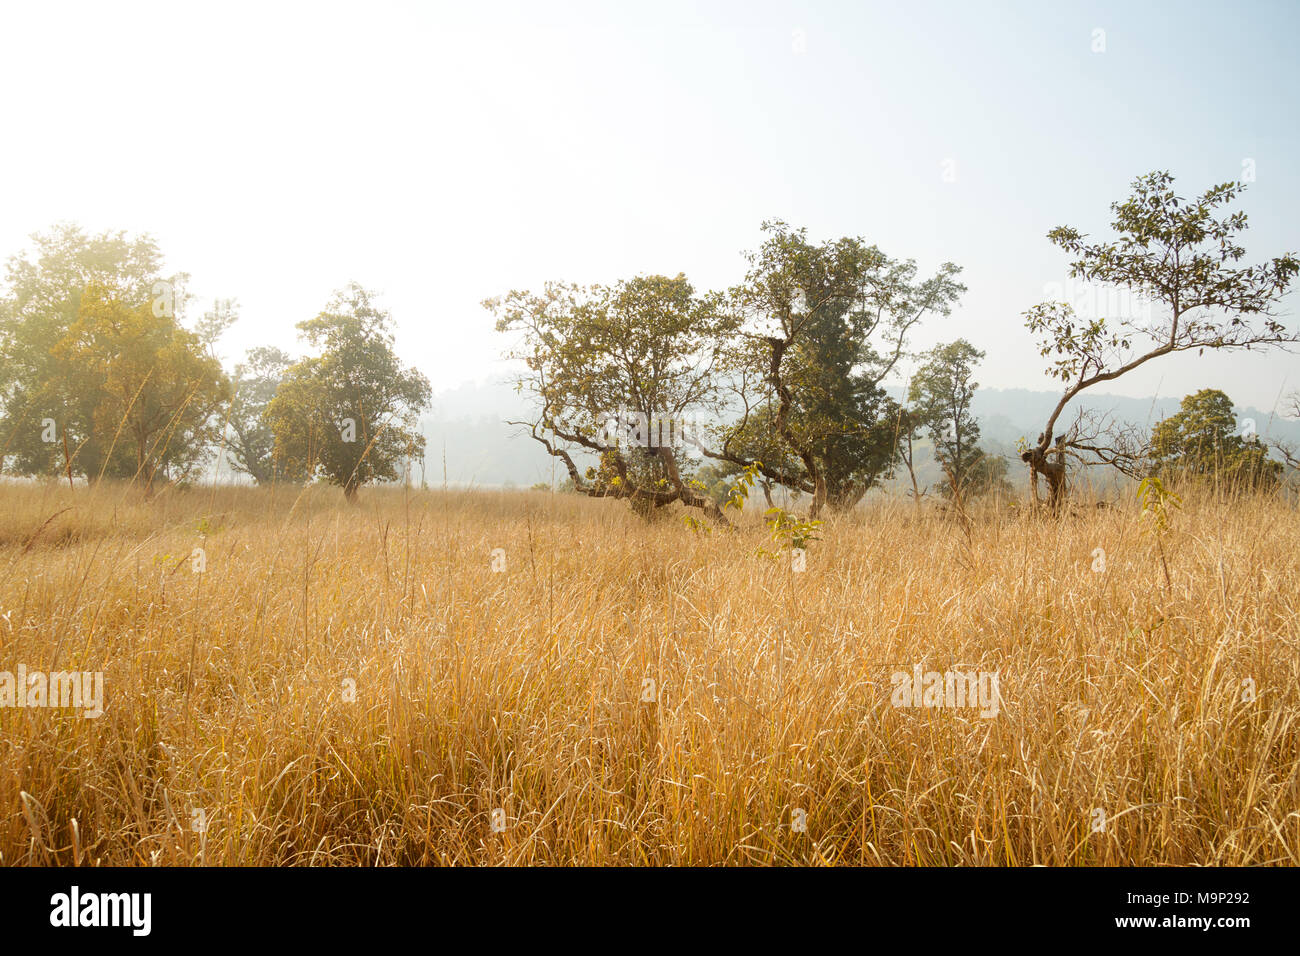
(819, 494)
(1052, 471)
(845, 498)
(688, 496)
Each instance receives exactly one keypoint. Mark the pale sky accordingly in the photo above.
(443, 153)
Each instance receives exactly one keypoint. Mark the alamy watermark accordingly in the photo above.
(625, 428)
(75, 908)
(1092, 300)
(947, 689)
(83, 690)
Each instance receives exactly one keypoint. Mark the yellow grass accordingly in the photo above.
(522, 691)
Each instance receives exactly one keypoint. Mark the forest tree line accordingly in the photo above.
(103, 376)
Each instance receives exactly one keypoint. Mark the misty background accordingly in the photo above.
(482, 451)
(442, 153)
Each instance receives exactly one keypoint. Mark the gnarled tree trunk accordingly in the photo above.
(1052, 471)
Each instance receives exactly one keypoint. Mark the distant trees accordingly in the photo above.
(100, 377)
(250, 442)
(940, 396)
(351, 412)
(97, 375)
(646, 390)
(1177, 255)
(821, 326)
(1202, 440)
(788, 369)
(940, 399)
(988, 476)
(150, 394)
(1289, 454)
(623, 373)
(910, 427)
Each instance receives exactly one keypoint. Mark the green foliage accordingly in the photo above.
(350, 412)
(1178, 256)
(91, 339)
(987, 475)
(150, 392)
(564, 487)
(738, 494)
(790, 529)
(696, 525)
(251, 443)
(1202, 441)
(940, 395)
(829, 322)
(714, 479)
(1157, 504)
(1173, 252)
(647, 348)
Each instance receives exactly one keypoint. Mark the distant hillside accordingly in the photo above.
(1008, 414)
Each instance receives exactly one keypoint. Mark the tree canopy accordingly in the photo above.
(350, 412)
(97, 374)
(624, 373)
(940, 394)
(1181, 256)
(1204, 440)
(822, 326)
(251, 443)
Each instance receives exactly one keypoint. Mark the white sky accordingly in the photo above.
(444, 153)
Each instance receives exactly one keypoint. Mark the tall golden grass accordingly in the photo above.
(521, 691)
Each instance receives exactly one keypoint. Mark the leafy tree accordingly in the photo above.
(564, 487)
(1175, 254)
(718, 480)
(38, 382)
(351, 412)
(624, 373)
(1202, 440)
(940, 394)
(824, 325)
(251, 442)
(99, 376)
(152, 392)
(987, 475)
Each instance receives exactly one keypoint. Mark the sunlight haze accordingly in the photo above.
(445, 153)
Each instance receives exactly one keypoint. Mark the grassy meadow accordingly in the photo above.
(356, 685)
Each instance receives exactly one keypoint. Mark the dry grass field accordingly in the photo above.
(355, 684)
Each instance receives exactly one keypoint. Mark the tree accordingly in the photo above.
(99, 376)
(1290, 454)
(214, 323)
(941, 394)
(151, 390)
(910, 426)
(824, 325)
(988, 476)
(350, 413)
(1178, 256)
(622, 373)
(251, 442)
(1201, 441)
(38, 385)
